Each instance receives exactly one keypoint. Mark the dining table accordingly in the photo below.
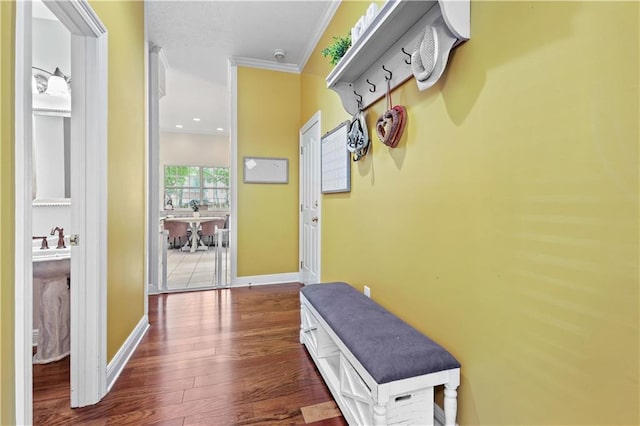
(194, 221)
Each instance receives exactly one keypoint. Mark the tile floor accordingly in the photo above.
(186, 270)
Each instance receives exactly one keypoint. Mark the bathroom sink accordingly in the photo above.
(51, 268)
(50, 263)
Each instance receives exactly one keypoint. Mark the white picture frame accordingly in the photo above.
(265, 170)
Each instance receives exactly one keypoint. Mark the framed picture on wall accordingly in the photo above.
(265, 170)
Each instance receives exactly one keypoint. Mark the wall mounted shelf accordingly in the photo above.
(393, 35)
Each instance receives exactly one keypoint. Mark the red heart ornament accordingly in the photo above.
(390, 125)
(402, 121)
(387, 126)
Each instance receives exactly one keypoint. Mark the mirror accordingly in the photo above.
(51, 158)
(51, 87)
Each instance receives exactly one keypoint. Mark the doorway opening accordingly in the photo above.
(190, 184)
(87, 153)
(51, 207)
(196, 221)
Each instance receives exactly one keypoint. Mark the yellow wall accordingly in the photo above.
(7, 216)
(505, 225)
(126, 183)
(125, 23)
(268, 114)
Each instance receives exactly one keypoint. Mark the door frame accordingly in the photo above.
(232, 74)
(316, 118)
(89, 52)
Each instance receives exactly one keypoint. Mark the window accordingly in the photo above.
(208, 186)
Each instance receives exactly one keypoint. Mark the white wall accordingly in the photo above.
(186, 149)
(51, 46)
(181, 149)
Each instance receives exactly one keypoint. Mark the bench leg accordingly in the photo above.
(379, 415)
(450, 404)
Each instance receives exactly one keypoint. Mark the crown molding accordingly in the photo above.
(324, 23)
(293, 68)
(267, 65)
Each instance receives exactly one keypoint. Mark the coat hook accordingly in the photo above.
(408, 60)
(390, 73)
(374, 86)
(358, 98)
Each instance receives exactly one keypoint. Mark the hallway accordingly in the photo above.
(217, 357)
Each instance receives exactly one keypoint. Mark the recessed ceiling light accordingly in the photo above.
(179, 126)
(196, 119)
(219, 129)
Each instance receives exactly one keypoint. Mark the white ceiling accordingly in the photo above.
(199, 37)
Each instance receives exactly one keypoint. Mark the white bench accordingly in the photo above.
(380, 370)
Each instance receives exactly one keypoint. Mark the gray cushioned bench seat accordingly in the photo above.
(387, 347)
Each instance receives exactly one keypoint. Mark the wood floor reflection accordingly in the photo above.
(218, 357)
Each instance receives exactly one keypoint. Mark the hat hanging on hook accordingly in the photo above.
(423, 60)
(429, 60)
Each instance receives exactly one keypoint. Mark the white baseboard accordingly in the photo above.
(290, 277)
(35, 334)
(153, 289)
(121, 358)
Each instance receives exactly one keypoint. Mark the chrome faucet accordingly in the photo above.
(60, 236)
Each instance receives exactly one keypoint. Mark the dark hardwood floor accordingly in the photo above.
(217, 357)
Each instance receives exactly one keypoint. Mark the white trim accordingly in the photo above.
(127, 349)
(23, 219)
(51, 202)
(148, 273)
(265, 65)
(153, 176)
(233, 133)
(88, 262)
(290, 277)
(324, 23)
(78, 17)
(289, 67)
(163, 58)
(53, 111)
(315, 119)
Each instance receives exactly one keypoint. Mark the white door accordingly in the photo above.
(310, 201)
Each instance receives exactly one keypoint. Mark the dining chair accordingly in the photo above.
(208, 230)
(177, 230)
